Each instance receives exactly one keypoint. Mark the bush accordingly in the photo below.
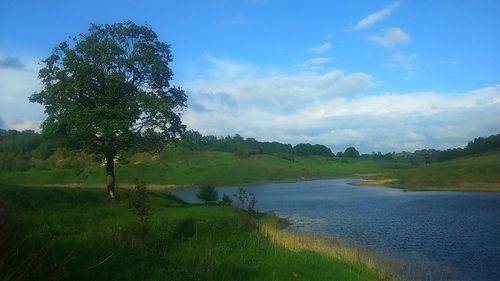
(207, 193)
(226, 200)
(246, 201)
(138, 200)
(139, 204)
(252, 201)
(241, 197)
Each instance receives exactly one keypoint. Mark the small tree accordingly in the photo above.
(351, 152)
(252, 201)
(241, 196)
(108, 90)
(226, 200)
(138, 201)
(207, 193)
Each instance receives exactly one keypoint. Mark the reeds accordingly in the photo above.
(329, 247)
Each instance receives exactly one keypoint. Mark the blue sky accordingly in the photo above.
(380, 75)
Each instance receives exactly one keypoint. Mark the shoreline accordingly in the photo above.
(393, 183)
(366, 180)
(276, 230)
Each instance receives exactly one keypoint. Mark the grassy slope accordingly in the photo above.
(76, 234)
(187, 167)
(479, 173)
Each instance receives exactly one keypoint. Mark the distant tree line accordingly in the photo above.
(475, 147)
(23, 150)
(243, 148)
(17, 149)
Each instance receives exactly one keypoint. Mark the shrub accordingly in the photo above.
(252, 201)
(138, 201)
(241, 197)
(226, 200)
(246, 201)
(207, 193)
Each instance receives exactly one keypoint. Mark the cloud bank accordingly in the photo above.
(333, 108)
(17, 82)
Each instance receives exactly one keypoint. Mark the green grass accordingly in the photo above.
(188, 167)
(474, 173)
(77, 234)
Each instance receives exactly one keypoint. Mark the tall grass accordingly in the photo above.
(328, 247)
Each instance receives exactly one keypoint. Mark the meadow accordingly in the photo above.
(471, 173)
(179, 166)
(78, 234)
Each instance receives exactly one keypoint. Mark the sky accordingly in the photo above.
(378, 75)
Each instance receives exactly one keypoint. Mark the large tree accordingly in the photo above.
(108, 90)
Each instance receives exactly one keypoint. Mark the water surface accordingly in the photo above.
(438, 235)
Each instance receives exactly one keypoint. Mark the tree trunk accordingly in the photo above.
(110, 175)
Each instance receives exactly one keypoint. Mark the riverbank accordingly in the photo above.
(78, 234)
(469, 174)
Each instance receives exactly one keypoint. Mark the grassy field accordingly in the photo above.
(191, 167)
(77, 234)
(474, 173)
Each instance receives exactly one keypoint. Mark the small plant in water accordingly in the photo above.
(226, 200)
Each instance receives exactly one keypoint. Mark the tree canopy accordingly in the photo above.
(109, 89)
(351, 152)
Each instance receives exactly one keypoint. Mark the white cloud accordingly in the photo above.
(405, 61)
(320, 48)
(227, 69)
(332, 108)
(329, 107)
(375, 17)
(320, 60)
(16, 85)
(391, 37)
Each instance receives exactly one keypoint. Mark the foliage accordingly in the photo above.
(16, 149)
(306, 149)
(226, 200)
(207, 193)
(108, 90)
(351, 152)
(138, 201)
(241, 197)
(252, 201)
(246, 201)
(244, 148)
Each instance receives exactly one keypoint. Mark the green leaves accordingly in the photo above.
(109, 87)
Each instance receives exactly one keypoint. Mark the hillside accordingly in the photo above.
(181, 166)
(471, 173)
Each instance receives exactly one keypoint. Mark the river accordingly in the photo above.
(437, 235)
